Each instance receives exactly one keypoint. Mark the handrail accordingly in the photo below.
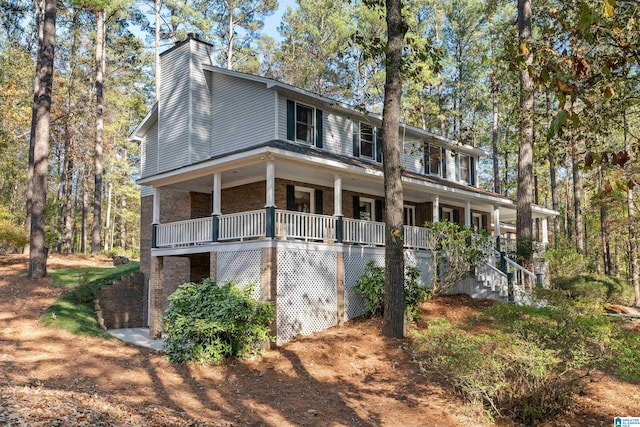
(363, 232)
(184, 233)
(416, 237)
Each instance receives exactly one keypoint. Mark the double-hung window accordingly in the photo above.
(367, 145)
(304, 123)
(435, 160)
(464, 168)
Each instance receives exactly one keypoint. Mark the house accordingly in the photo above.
(250, 179)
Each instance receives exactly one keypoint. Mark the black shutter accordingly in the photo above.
(319, 129)
(457, 167)
(427, 165)
(456, 216)
(318, 202)
(356, 138)
(291, 197)
(485, 222)
(378, 208)
(379, 145)
(291, 120)
(356, 207)
(439, 214)
(444, 162)
(472, 170)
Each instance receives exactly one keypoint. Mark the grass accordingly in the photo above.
(74, 311)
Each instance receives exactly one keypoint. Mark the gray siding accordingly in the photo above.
(200, 148)
(146, 191)
(412, 156)
(282, 117)
(338, 133)
(149, 154)
(451, 166)
(243, 114)
(173, 113)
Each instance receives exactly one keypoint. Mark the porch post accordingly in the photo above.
(337, 203)
(545, 232)
(157, 297)
(467, 215)
(270, 206)
(155, 217)
(215, 215)
(496, 225)
(436, 209)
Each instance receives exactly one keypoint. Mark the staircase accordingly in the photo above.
(510, 282)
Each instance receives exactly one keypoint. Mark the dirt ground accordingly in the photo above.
(347, 375)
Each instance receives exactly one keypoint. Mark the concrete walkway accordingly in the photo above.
(137, 336)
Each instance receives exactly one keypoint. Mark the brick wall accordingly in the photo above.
(347, 203)
(201, 205)
(327, 194)
(146, 216)
(119, 303)
(248, 197)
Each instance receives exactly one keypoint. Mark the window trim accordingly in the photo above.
(373, 141)
(449, 211)
(468, 168)
(411, 210)
(313, 123)
(373, 208)
(312, 196)
(475, 215)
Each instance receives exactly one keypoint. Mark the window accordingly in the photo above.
(410, 216)
(367, 210)
(447, 215)
(435, 160)
(303, 200)
(304, 123)
(366, 141)
(464, 169)
(476, 221)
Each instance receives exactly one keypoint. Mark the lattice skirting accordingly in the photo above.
(354, 263)
(307, 295)
(240, 266)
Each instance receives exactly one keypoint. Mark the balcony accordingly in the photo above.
(287, 225)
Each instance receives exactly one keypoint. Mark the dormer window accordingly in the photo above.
(366, 141)
(304, 123)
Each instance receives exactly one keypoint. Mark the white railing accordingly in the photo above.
(416, 237)
(184, 233)
(241, 226)
(522, 280)
(493, 277)
(363, 232)
(299, 225)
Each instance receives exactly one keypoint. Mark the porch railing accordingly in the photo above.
(416, 237)
(182, 233)
(363, 232)
(241, 226)
(305, 226)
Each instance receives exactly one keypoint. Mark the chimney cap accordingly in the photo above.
(194, 36)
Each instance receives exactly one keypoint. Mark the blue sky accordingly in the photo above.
(272, 22)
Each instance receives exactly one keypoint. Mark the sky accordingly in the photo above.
(272, 22)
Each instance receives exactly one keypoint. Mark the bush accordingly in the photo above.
(208, 322)
(593, 290)
(509, 375)
(371, 287)
(566, 262)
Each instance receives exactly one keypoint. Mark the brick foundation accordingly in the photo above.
(118, 305)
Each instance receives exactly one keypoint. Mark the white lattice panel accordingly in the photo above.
(422, 261)
(242, 267)
(354, 264)
(307, 300)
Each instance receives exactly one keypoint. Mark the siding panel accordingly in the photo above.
(243, 114)
(200, 102)
(149, 155)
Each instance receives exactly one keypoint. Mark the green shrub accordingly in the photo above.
(566, 262)
(509, 375)
(593, 290)
(207, 322)
(626, 359)
(371, 287)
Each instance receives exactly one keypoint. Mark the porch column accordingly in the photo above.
(215, 215)
(337, 203)
(436, 209)
(545, 232)
(270, 206)
(496, 225)
(467, 215)
(155, 217)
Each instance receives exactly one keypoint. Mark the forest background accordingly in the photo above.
(585, 66)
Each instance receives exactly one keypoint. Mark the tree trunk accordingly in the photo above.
(41, 118)
(552, 172)
(34, 109)
(394, 304)
(604, 232)
(85, 214)
(97, 198)
(577, 203)
(108, 220)
(231, 37)
(158, 5)
(633, 246)
(525, 155)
